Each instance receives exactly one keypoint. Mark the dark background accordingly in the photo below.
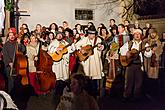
(149, 7)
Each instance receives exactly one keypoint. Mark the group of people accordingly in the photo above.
(99, 53)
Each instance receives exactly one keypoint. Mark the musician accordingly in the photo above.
(134, 71)
(118, 40)
(32, 52)
(152, 64)
(60, 68)
(92, 67)
(9, 51)
(120, 36)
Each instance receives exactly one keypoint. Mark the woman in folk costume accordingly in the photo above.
(53, 28)
(38, 30)
(92, 66)
(32, 51)
(152, 64)
(72, 58)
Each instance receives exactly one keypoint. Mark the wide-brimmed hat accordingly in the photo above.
(91, 30)
(152, 30)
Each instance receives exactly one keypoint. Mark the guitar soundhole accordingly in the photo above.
(85, 54)
(57, 53)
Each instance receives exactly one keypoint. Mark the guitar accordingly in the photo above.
(57, 56)
(134, 53)
(85, 52)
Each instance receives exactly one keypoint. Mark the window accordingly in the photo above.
(84, 14)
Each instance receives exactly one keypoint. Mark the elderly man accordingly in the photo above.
(134, 70)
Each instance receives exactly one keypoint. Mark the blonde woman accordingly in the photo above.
(32, 52)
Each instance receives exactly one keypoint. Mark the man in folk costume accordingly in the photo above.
(152, 63)
(9, 51)
(92, 66)
(134, 70)
(115, 69)
(61, 67)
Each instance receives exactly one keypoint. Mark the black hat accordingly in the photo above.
(92, 30)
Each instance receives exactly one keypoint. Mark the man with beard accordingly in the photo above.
(9, 51)
(60, 67)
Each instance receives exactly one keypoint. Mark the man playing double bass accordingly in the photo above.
(9, 51)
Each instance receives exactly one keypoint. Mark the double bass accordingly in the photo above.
(45, 75)
(20, 65)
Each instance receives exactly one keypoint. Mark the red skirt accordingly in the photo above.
(35, 84)
(72, 63)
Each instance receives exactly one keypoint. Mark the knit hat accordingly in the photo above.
(13, 30)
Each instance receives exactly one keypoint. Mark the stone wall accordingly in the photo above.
(47, 11)
(159, 24)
